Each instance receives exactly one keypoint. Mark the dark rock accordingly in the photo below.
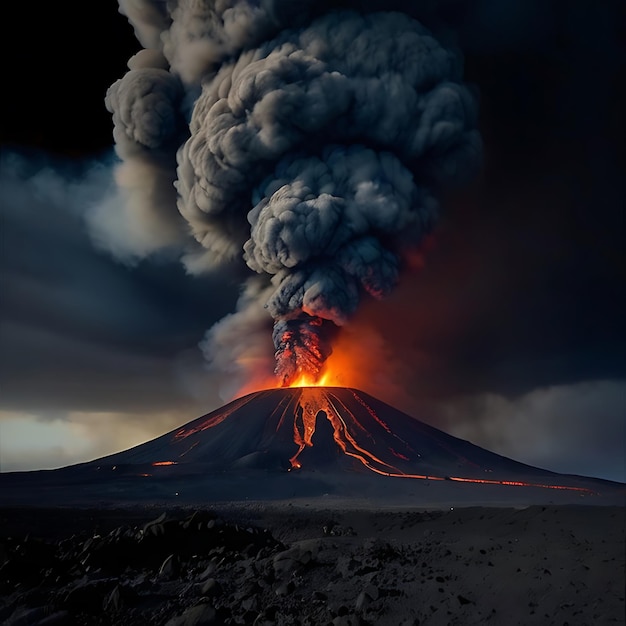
(362, 602)
(347, 620)
(208, 571)
(211, 588)
(170, 568)
(285, 589)
(58, 618)
(366, 597)
(340, 531)
(342, 609)
(120, 597)
(26, 617)
(248, 588)
(26, 560)
(251, 604)
(4, 554)
(248, 617)
(284, 566)
(88, 595)
(372, 592)
(199, 615)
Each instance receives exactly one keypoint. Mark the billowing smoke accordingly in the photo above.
(308, 142)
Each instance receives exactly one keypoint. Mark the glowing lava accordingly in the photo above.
(316, 403)
(302, 346)
(306, 380)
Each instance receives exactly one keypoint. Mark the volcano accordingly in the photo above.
(301, 441)
(317, 429)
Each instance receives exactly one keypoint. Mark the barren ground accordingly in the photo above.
(306, 562)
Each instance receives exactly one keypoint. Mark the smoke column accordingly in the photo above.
(306, 141)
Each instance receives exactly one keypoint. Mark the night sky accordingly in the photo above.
(511, 335)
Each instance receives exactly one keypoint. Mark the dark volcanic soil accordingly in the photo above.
(282, 564)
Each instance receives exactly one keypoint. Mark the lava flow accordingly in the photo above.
(317, 403)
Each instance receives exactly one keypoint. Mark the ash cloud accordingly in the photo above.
(310, 145)
(79, 331)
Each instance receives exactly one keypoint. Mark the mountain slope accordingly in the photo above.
(309, 442)
(314, 428)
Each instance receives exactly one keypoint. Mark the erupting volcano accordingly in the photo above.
(306, 442)
(327, 429)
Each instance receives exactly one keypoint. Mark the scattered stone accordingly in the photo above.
(362, 602)
(170, 568)
(88, 595)
(26, 617)
(199, 615)
(251, 604)
(285, 589)
(238, 575)
(340, 610)
(117, 599)
(366, 597)
(211, 588)
(58, 618)
(347, 620)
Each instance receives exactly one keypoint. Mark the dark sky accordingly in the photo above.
(522, 293)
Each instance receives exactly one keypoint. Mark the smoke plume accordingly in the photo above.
(307, 142)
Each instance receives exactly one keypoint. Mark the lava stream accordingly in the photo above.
(316, 403)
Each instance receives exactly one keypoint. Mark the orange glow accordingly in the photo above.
(356, 361)
(360, 359)
(156, 463)
(307, 381)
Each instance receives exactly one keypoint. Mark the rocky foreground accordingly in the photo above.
(266, 565)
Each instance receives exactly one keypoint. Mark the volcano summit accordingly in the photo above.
(306, 442)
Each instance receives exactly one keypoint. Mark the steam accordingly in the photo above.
(310, 145)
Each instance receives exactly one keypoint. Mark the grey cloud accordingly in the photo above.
(314, 150)
(561, 428)
(74, 324)
(145, 106)
(234, 362)
(42, 369)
